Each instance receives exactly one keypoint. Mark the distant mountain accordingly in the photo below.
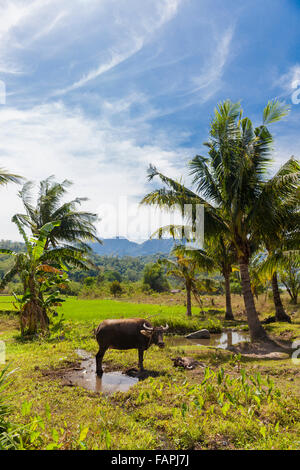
(114, 247)
(123, 247)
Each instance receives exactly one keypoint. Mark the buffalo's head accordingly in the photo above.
(155, 334)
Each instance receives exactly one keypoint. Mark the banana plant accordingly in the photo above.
(37, 268)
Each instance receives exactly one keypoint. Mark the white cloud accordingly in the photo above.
(120, 28)
(49, 27)
(103, 164)
(137, 33)
(15, 15)
(10, 16)
(168, 9)
(291, 79)
(198, 89)
(115, 59)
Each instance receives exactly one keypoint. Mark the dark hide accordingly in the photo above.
(126, 334)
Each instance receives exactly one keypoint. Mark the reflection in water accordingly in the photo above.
(87, 378)
(222, 340)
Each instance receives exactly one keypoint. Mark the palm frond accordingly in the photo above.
(274, 111)
(6, 177)
(18, 223)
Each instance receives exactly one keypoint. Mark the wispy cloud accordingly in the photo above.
(115, 59)
(291, 79)
(209, 80)
(166, 10)
(49, 27)
(18, 29)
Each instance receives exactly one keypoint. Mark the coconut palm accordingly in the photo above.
(259, 280)
(219, 255)
(223, 256)
(75, 226)
(233, 186)
(290, 277)
(281, 241)
(186, 267)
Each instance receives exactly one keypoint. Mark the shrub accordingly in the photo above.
(154, 278)
(89, 281)
(113, 276)
(116, 288)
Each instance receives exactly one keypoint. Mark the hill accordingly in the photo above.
(114, 247)
(123, 247)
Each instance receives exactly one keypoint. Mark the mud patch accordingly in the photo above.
(85, 376)
(264, 350)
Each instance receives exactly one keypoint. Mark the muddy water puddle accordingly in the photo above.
(86, 377)
(223, 340)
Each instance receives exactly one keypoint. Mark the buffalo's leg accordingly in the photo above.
(141, 358)
(99, 358)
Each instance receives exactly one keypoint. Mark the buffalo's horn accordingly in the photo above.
(148, 327)
(165, 328)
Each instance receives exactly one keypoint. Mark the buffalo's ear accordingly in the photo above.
(146, 333)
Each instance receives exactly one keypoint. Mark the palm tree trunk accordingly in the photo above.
(293, 295)
(188, 300)
(294, 299)
(280, 313)
(228, 314)
(257, 332)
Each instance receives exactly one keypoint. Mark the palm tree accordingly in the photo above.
(186, 267)
(280, 239)
(34, 266)
(223, 256)
(219, 254)
(75, 226)
(259, 279)
(290, 277)
(233, 186)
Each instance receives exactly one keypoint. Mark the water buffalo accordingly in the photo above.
(131, 333)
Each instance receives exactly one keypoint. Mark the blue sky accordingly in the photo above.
(98, 89)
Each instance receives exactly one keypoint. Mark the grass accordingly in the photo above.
(231, 403)
(7, 303)
(97, 310)
(162, 308)
(94, 311)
